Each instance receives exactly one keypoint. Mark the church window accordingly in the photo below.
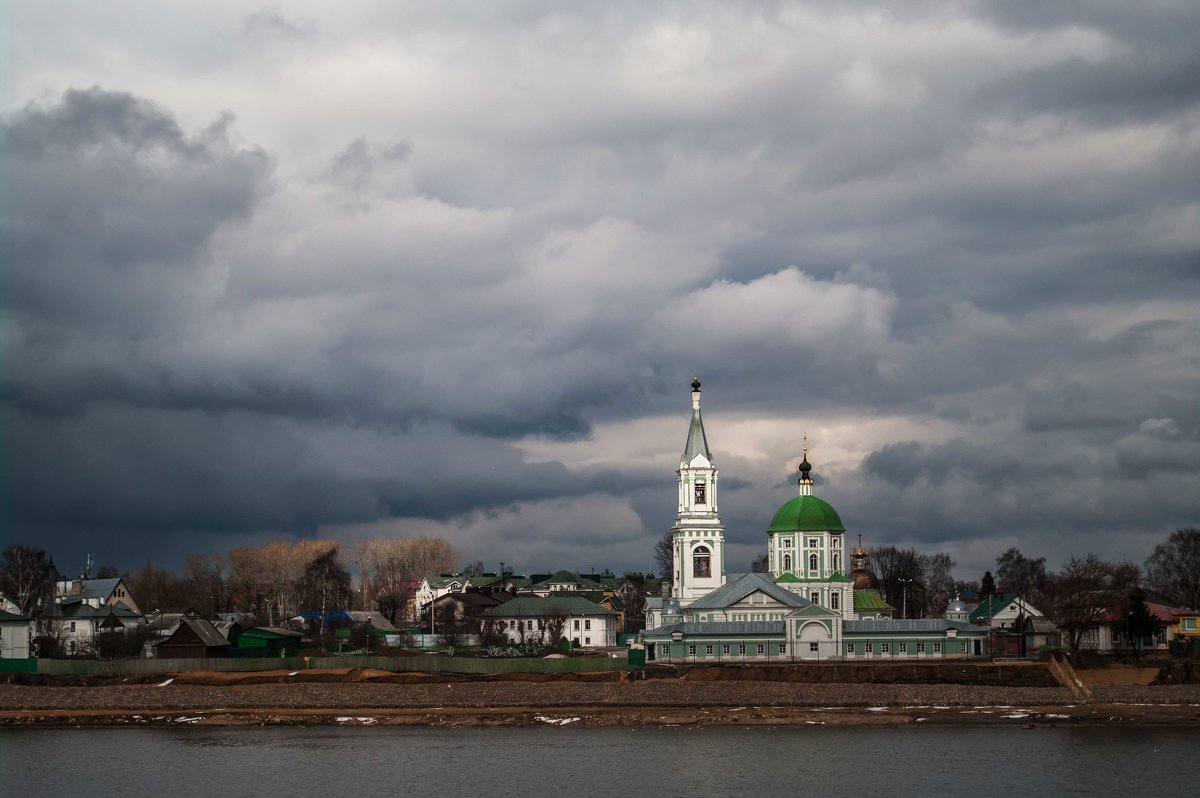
(699, 492)
(849, 648)
(812, 562)
(787, 544)
(834, 600)
(701, 562)
(837, 563)
(837, 543)
(815, 597)
(814, 647)
(782, 648)
(812, 543)
(787, 562)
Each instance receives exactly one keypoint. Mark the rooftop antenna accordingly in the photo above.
(86, 573)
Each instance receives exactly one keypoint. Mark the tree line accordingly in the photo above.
(274, 581)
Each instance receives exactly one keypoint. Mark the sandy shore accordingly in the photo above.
(370, 702)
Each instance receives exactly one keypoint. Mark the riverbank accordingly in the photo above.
(298, 698)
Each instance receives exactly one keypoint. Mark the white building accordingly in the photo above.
(537, 620)
(14, 636)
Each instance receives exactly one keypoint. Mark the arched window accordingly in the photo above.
(812, 562)
(837, 562)
(698, 494)
(701, 562)
(787, 562)
(834, 600)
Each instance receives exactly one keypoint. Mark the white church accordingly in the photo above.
(805, 608)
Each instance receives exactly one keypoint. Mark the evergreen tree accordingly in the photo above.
(1138, 624)
(987, 585)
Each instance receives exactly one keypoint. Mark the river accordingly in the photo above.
(652, 762)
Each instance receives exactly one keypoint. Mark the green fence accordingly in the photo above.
(18, 665)
(424, 663)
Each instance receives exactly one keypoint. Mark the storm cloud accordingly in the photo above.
(449, 269)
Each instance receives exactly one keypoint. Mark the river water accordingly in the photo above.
(646, 762)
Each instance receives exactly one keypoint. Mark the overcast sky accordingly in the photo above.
(361, 269)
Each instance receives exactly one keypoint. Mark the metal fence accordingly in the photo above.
(423, 663)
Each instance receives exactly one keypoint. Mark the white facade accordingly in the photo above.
(698, 537)
(585, 631)
(14, 638)
(431, 589)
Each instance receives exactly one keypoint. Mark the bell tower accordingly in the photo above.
(698, 538)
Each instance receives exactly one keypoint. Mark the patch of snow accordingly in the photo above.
(877, 709)
(293, 673)
(1016, 715)
(920, 720)
(555, 721)
(189, 720)
(1055, 716)
(168, 681)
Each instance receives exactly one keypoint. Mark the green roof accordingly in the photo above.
(806, 514)
(870, 600)
(535, 607)
(990, 605)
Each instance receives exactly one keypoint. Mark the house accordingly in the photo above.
(269, 641)
(538, 620)
(568, 582)
(193, 638)
(73, 625)
(1104, 633)
(1184, 623)
(434, 586)
(1003, 611)
(15, 631)
(1040, 633)
(457, 608)
(96, 592)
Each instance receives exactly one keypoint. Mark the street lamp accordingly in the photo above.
(904, 598)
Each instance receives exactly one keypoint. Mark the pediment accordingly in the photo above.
(814, 611)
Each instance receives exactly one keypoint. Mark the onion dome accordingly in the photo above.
(806, 514)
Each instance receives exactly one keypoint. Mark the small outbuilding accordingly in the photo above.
(193, 638)
(269, 641)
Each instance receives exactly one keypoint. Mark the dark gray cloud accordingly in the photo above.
(446, 257)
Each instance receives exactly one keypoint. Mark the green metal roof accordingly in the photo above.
(806, 514)
(870, 600)
(536, 607)
(992, 605)
(697, 443)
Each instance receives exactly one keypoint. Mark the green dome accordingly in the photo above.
(806, 514)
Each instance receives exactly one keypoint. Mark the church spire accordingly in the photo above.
(697, 443)
(805, 481)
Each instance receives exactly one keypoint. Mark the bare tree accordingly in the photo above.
(1174, 568)
(473, 568)
(23, 577)
(664, 557)
(760, 564)
(901, 577)
(1083, 588)
(491, 631)
(938, 581)
(1019, 574)
(555, 625)
(632, 594)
